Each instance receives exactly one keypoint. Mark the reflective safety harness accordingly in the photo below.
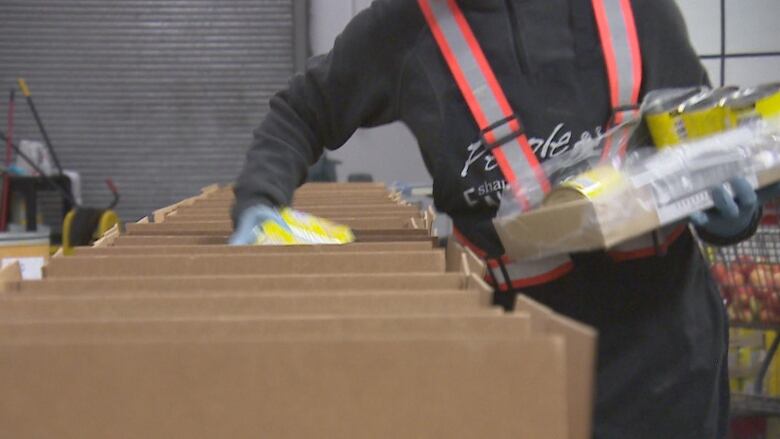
(503, 136)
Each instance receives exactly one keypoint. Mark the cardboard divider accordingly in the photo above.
(481, 324)
(223, 249)
(221, 229)
(18, 308)
(226, 226)
(376, 388)
(323, 211)
(352, 220)
(377, 190)
(306, 203)
(203, 265)
(246, 283)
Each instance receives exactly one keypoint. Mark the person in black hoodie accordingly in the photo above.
(662, 325)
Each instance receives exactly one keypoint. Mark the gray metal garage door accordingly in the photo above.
(161, 95)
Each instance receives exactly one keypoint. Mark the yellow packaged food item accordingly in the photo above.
(755, 103)
(299, 228)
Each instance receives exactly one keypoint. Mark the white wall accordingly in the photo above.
(389, 153)
(752, 56)
(752, 51)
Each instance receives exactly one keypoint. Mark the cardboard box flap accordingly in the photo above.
(247, 283)
(202, 265)
(227, 250)
(575, 226)
(580, 361)
(19, 308)
(266, 328)
(354, 389)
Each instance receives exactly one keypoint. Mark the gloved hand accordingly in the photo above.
(245, 232)
(731, 216)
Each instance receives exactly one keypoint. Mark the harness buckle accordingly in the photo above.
(501, 141)
(622, 109)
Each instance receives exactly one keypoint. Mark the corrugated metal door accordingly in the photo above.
(161, 95)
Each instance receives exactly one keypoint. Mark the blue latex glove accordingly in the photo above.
(249, 220)
(731, 216)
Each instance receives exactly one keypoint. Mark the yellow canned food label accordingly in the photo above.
(705, 122)
(666, 129)
(597, 182)
(761, 109)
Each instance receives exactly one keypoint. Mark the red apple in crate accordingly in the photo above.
(745, 316)
(734, 278)
(743, 264)
(742, 295)
(720, 273)
(764, 316)
(761, 276)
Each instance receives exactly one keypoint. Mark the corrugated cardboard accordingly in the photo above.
(267, 328)
(235, 250)
(586, 225)
(574, 226)
(226, 225)
(247, 284)
(580, 362)
(221, 229)
(323, 211)
(366, 340)
(432, 388)
(312, 202)
(19, 308)
(431, 261)
(389, 220)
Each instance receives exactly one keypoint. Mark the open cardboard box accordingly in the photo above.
(192, 342)
(377, 387)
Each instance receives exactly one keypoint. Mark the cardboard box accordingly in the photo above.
(99, 306)
(224, 229)
(580, 367)
(379, 388)
(307, 203)
(267, 328)
(432, 261)
(246, 283)
(574, 226)
(323, 211)
(228, 250)
(387, 337)
(226, 225)
(352, 220)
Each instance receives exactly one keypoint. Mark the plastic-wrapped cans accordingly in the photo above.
(687, 116)
(662, 115)
(752, 104)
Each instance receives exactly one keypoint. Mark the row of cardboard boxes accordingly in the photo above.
(163, 331)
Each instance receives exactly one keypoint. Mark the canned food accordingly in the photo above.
(600, 182)
(662, 116)
(707, 116)
(752, 104)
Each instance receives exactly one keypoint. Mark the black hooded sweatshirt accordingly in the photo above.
(663, 333)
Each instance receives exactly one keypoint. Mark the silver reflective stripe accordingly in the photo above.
(522, 271)
(485, 98)
(621, 44)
